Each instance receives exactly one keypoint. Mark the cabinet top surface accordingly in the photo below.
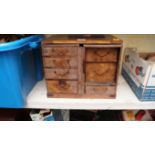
(82, 39)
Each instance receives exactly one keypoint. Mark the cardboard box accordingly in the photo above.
(139, 72)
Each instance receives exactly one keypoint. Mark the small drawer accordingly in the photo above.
(101, 72)
(61, 87)
(61, 74)
(60, 63)
(101, 54)
(106, 91)
(60, 51)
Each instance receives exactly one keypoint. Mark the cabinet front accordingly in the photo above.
(61, 87)
(101, 54)
(101, 72)
(101, 64)
(61, 69)
(81, 71)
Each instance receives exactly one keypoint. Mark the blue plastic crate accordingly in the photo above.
(20, 69)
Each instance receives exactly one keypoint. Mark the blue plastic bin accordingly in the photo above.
(20, 69)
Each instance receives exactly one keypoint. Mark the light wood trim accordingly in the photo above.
(103, 46)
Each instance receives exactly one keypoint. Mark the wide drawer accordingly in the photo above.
(60, 63)
(60, 51)
(101, 54)
(61, 74)
(101, 72)
(106, 91)
(62, 87)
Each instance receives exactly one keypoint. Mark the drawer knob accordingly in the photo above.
(63, 84)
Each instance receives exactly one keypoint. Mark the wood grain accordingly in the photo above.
(101, 54)
(81, 66)
(100, 72)
(61, 87)
(60, 63)
(82, 39)
(60, 52)
(106, 91)
(61, 74)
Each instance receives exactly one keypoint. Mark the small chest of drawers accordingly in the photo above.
(82, 66)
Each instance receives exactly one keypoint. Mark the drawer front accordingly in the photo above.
(60, 51)
(61, 74)
(101, 54)
(60, 63)
(108, 91)
(101, 72)
(61, 87)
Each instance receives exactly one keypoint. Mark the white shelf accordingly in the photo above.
(125, 99)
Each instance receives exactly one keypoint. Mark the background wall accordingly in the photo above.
(144, 42)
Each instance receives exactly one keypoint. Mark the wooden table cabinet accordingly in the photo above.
(82, 66)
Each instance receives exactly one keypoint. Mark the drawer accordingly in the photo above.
(101, 72)
(61, 87)
(101, 54)
(108, 91)
(61, 74)
(60, 51)
(60, 63)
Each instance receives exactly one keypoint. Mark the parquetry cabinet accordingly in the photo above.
(82, 66)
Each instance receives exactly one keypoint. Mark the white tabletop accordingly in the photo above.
(125, 99)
